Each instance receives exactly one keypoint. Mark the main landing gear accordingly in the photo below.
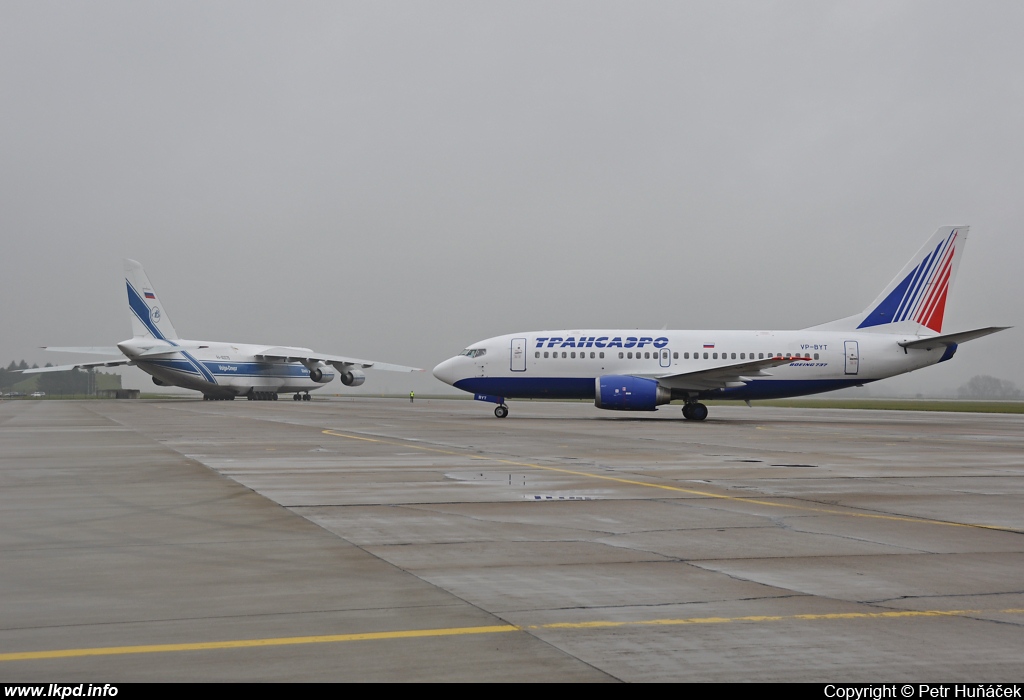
(501, 411)
(301, 397)
(211, 397)
(262, 396)
(695, 411)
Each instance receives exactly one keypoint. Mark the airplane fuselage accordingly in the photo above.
(565, 364)
(222, 369)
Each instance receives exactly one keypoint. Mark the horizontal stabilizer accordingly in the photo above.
(161, 350)
(942, 341)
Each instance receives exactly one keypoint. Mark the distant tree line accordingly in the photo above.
(983, 386)
(9, 377)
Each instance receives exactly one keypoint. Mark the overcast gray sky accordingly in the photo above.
(397, 180)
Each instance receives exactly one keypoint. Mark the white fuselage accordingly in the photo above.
(564, 364)
(222, 369)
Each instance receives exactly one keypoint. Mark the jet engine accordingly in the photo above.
(353, 377)
(318, 375)
(618, 392)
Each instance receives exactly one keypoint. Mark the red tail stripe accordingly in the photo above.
(935, 292)
(939, 301)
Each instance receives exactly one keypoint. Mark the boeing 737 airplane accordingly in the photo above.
(219, 370)
(636, 370)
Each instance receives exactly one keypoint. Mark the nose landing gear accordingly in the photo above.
(501, 411)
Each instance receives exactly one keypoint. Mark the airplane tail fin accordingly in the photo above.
(915, 300)
(148, 318)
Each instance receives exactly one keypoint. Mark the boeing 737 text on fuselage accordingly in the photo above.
(637, 370)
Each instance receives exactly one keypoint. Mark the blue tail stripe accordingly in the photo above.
(925, 271)
(141, 310)
(929, 266)
(906, 300)
(932, 276)
(886, 311)
(914, 298)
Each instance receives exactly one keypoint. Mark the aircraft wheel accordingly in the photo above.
(307, 397)
(501, 411)
(699, 411)
(273, 396)
(687, 411)
(297, 397)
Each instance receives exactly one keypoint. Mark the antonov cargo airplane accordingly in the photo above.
(636, 370)
(219, 370)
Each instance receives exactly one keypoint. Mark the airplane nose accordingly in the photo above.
(446, 371)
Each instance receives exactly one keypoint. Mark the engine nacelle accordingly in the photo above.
(318, 375)
(353, 378)
(619, 392)
(158, 382)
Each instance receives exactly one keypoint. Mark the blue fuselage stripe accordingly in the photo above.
(583, 387)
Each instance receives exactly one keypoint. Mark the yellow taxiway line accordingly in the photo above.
(486, 629)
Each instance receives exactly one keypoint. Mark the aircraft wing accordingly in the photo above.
(86, 350)
(154, 351)
(941, 341)
(736, 374)
(340, 363)
(80, 365)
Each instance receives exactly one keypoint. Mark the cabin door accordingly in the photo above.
(518, 355)
(852, 357)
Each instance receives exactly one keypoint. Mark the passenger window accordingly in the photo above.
(815, 356)
(714, 355)
(537, 354)
(760, 355)
(545, 354)
(675, 356)
(734, 356)
(743, 355)
(705, 356)
(602, 355)
(620, 355)
(788, 356)
(563, 355)
(572, 355)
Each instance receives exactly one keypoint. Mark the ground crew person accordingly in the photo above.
(412, 395)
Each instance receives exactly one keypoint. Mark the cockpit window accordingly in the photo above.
(474, 352)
